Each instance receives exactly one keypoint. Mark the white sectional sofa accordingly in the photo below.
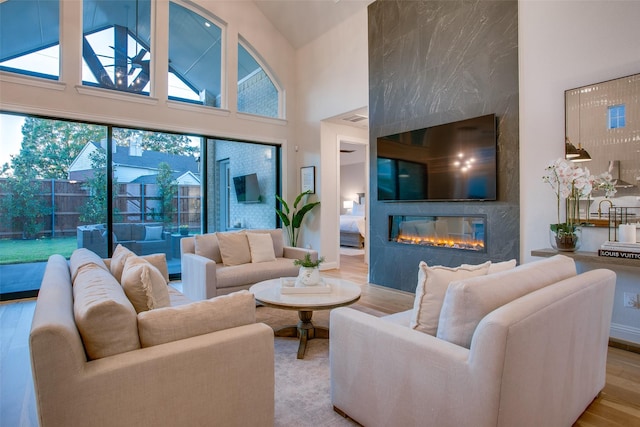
(219, 263)
(96, 361)
(536, 357)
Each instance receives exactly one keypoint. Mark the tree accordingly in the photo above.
(95, 210)
(168, 191)
(156, 141)
(50, 146)
(22, 205)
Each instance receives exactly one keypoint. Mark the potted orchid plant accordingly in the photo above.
(572, 183)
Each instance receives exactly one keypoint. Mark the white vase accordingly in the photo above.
(309, 276)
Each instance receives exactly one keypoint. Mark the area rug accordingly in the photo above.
(302, 392)
(351, 251)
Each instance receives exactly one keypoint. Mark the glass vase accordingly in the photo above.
(564, 240)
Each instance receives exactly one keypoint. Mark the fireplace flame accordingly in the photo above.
(449, 242)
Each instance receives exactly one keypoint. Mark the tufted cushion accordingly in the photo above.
(430, 291)
(206, 245)
(468, 301)
(234, 248)
(261, 247)
(144, 285)
(104, 316)
(81, 257)
(198, 318)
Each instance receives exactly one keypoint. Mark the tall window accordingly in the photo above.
(257, 94)
(30, 37)
(41, 207)
(616, 116)
(156, 191)
(116, 47)
(246, 176)
(194, 57)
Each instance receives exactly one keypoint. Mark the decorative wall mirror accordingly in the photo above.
(603, 131)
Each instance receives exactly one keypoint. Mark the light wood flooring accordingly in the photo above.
(617, 405)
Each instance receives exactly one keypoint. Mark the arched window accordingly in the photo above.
(257, 93)
(30, 37)
(195, 58)
(116, 45)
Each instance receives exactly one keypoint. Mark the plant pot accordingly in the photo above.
(309, 276)
(565, 241)
(184, 231)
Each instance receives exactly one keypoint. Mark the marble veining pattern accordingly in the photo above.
(434, 62)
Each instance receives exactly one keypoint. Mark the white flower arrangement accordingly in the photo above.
(571, 182)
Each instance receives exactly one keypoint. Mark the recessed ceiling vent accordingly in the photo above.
(355, 118)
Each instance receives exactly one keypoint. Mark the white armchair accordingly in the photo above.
(536, 361)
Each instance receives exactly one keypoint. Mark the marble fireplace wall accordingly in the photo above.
(434, 62)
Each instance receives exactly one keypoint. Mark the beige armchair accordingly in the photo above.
(223, 378)
(536, 361)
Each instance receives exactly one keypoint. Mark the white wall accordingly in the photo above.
(331, 135)
(564, 45)
(352, 182)
(332, 78)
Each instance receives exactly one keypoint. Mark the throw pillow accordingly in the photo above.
(432, 286)
(497, 267)
(234, 248)
(80, 258)
(469, 300)
(118, 259)
(159, 261)
(261, 247)
(104, 316)
(121, 253)
(144, 285)
(206, 245)
(175, 323)
(152, 232)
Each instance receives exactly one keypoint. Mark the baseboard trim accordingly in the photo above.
(625, 333)
(624, 345)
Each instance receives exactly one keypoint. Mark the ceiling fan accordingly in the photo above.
(136, 61)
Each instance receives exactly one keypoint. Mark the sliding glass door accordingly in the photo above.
(66, 185)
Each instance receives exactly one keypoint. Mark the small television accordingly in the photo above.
(449, 162)
(247, 190)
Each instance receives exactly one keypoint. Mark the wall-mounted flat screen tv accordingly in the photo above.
(452, 161)
(247, 190)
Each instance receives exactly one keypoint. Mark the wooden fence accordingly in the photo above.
(133, 203)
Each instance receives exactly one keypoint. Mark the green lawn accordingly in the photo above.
(19, 251)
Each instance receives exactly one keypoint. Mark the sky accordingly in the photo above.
(10, 136)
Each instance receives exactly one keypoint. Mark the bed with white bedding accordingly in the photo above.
(352, 228)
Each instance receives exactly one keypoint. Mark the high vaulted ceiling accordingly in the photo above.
(301, 21)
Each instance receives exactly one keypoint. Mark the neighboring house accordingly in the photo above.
(134, 165)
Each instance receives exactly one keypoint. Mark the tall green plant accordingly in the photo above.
(292, 219)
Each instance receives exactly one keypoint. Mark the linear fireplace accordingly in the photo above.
(454, 232)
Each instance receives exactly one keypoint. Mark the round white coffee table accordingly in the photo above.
(342, 293)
